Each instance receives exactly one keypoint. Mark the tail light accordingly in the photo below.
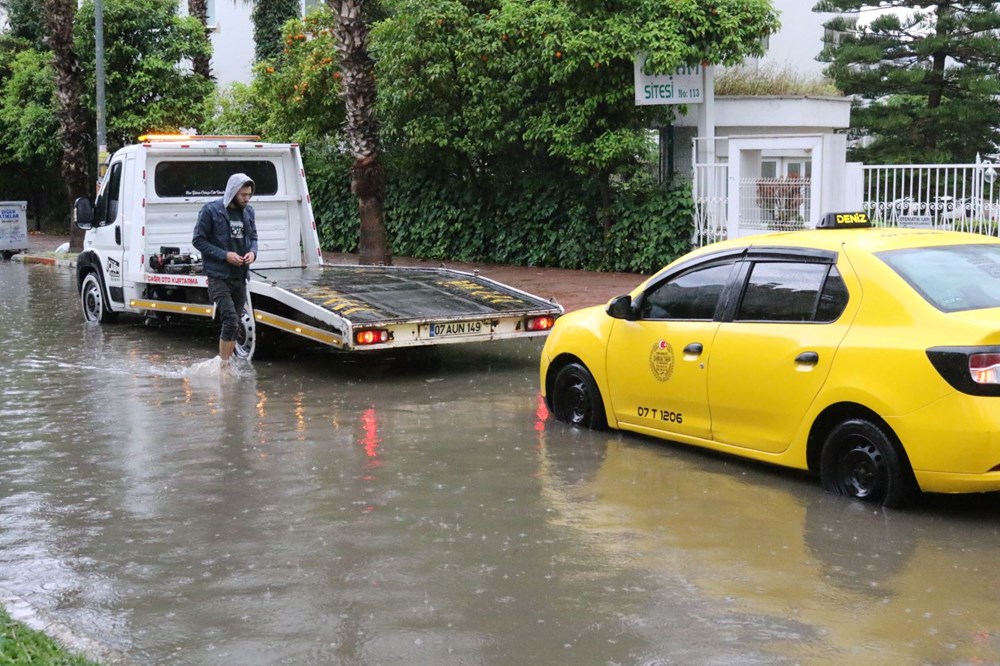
(371, 336)
(540, 323)
(972, 370)
(985, 368)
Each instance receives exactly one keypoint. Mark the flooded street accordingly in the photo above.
(321, 510)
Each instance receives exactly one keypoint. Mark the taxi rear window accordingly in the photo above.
(952, 278)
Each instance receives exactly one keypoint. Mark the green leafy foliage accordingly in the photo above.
(295, 96)
(268, 18)
(517, 219)
(29, 131)
(925, 80)
(148, 89)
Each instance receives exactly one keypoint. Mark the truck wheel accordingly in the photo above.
(95, 310)
(247, 336)
(861, 460)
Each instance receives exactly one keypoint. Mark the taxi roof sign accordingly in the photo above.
(844, 221)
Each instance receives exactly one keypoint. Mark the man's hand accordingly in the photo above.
(249, 258)
(235, 259)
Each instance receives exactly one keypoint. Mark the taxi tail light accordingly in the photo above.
(371, 336)
(973, 370)
(540, 323)
(985, 368)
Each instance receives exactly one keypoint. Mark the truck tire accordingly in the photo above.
(92, 302)
(246, 336)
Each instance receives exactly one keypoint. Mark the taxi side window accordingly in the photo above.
(692, 295)
(792, 291)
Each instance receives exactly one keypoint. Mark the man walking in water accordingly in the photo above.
(226, 236)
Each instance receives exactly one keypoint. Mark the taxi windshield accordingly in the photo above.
(952, 278)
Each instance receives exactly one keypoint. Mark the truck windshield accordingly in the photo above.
(951, 277)
(208, 178)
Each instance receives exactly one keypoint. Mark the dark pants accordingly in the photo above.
(229, 296)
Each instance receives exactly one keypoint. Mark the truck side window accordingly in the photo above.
(107, 203)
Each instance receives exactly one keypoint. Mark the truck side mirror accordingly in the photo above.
(621, 308)
(83, 213)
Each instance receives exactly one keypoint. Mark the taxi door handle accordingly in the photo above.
(807, 358)
(694, 348)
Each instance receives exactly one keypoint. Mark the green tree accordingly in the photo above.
(148, 88)
(293, 97)
(268, 18)
(69, 85)
(480, 77)
(29, 130)
(24, 21)
(924, 79)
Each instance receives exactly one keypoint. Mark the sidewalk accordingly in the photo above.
(571, 289)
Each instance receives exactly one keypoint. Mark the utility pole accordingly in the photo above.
(102, 141)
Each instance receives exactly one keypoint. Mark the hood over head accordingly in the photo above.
(235, 184)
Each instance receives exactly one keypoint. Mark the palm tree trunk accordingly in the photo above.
(362, 132)
(73, 130)
(201, 64)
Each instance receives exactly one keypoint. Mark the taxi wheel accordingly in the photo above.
(861, 460)
(576, 399)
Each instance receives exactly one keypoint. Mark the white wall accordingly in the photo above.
(799, 40)
(232, 40)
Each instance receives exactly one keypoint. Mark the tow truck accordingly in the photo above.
(138, 259)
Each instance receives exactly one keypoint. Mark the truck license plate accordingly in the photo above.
(453, 328)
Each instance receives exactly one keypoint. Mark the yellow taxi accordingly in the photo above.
(869, 356)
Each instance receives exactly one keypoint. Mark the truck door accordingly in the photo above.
(109, 231)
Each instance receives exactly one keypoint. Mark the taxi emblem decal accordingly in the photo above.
(661, 361)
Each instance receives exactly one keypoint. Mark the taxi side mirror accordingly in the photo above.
(620, 307)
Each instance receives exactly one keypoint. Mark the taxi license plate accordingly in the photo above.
(456, 328)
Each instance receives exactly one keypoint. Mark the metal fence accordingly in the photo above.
(774, 204)
(963, 197)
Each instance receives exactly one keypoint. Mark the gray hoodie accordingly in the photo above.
(212, 235)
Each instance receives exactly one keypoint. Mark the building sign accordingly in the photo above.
(685, 85)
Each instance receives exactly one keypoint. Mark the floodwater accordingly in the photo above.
(317, 510)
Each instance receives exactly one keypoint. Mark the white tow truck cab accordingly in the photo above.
(138, 258)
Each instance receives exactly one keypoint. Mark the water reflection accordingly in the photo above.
(836, 579)
(328, 510)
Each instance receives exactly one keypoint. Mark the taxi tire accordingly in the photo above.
(576, 399)
(861, 460)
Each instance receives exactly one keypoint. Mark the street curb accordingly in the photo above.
(21, 610)
(45, 259)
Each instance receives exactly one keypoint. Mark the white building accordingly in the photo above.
(769, 162)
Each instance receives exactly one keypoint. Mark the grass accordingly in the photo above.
(20, 645)
(752, 80)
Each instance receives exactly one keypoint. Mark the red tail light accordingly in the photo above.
(371, 336)
(985, 368)
(974, 370)
(540, 323)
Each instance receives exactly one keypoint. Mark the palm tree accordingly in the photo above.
(199, 10)
(362, 132)
(73, 127)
